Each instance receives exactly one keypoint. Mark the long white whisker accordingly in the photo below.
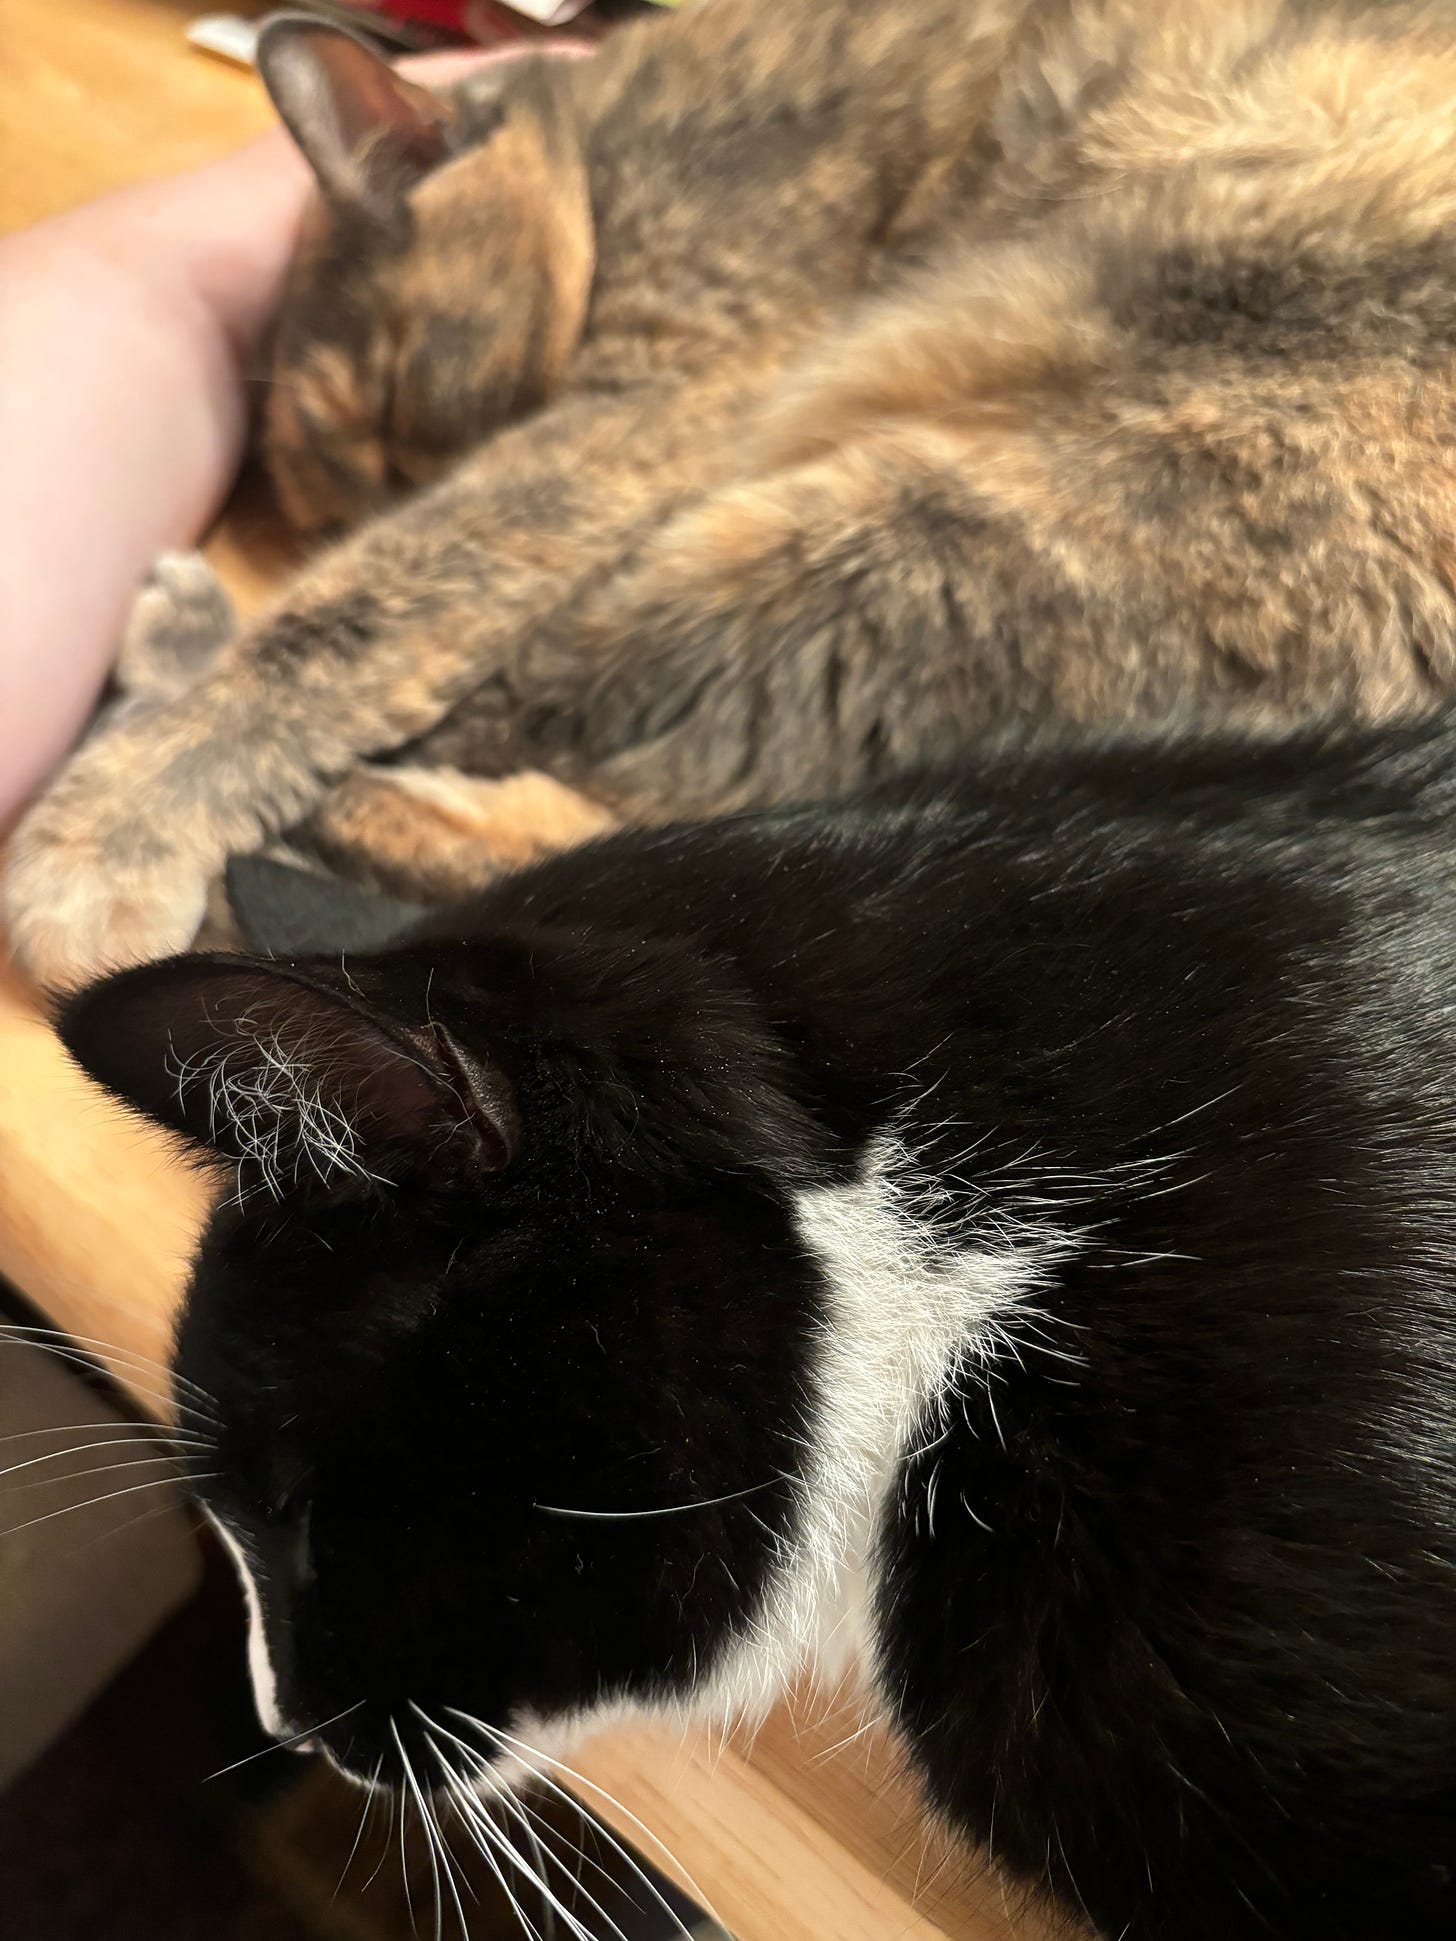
(486, 1838)
(384, 1851)
(511, 1743)
(114, 1351)
(446, 1855)
(451, 1865)
(119, 1529)
(538, 1853)
(85, 1475)
(78, 1428)
(280, 1745)
(80, 1359)
(409, 1899)
(511, 1805)
(84, 1448)
(516, 1809)
(671, 1509)
(488, 1841)
(414, 1786)
(107, 1496)
(430, 1844)
(435, 1846)
(365, 1815)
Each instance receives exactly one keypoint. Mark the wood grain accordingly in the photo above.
(790, 1841)
(827, 1826)
(95, 93)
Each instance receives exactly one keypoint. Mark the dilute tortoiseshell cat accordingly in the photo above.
(797, 386)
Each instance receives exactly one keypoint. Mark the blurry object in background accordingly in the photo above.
(92, 1559)
(227, 35)
(496, 22)
(416, 26)
(235, 36)
(550, 13)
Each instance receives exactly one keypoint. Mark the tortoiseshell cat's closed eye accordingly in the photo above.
(794, 388)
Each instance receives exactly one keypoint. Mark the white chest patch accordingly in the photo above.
(912, 1301)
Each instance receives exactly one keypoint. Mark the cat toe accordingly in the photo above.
(181, 616)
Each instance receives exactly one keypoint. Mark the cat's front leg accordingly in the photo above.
(181, 619)
(450, 596)
(434, 835)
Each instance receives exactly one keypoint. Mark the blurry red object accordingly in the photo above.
(491, 22)
(434, 13)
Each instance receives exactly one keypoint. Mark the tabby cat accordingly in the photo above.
(790, 389)
(1004, 1225)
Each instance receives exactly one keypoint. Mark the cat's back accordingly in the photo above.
(1191, 1538)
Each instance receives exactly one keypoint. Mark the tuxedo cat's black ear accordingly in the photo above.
(313, 1084)
(367, 133)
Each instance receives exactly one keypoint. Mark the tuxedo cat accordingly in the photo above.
(1003, 1225)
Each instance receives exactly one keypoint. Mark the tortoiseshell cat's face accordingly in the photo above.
(502, 1427)
(424, 308)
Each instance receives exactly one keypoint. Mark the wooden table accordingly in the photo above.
(791, 1840)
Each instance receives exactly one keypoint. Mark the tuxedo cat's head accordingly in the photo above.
(503, 1328)
(441, 274)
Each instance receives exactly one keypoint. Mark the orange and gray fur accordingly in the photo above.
(787, 393)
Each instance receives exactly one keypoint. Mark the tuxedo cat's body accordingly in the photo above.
(1007, 1222)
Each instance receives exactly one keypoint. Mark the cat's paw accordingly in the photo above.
(70, 915)
(181, 617)
(85, 890)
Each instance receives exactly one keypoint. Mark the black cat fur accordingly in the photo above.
(1163, 1589)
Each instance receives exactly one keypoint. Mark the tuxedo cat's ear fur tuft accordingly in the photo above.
(309, 1083)
(367, 133)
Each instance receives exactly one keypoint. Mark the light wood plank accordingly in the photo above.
(95, 93)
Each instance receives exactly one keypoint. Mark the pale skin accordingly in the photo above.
(119, 442)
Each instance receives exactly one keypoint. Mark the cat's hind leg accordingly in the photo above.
(434, 835)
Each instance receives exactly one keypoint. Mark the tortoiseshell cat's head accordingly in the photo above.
(419, 313)
(478, 1341)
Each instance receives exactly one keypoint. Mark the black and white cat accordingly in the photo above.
(1004, 1225)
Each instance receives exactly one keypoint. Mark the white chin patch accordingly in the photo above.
(260, 1665)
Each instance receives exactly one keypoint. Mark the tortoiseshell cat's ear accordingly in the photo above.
(367, 133)
(313, 1085)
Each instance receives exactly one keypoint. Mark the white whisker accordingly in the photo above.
(80, 1428)
(84, 1448)
(424, 1812)
(509, 1742)
(671, 1509)
(108, 1496)
(85, 1475)
(409, 1899)
(366, 1814)
(486, 1838)
(385, 1850)
(86, 1363)
(279, 1745)
(114, 1351)
(513, 1806)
